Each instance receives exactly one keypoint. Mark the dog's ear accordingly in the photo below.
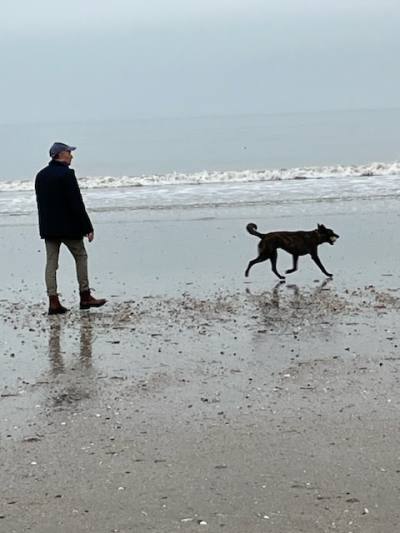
(321, 227)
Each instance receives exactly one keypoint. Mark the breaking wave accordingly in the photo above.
(227, 176)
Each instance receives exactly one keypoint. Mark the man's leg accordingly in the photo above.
(77, 249)
(52, 254)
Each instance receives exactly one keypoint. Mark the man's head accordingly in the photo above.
(62, 152)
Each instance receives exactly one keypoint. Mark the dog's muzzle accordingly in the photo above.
(333, 239)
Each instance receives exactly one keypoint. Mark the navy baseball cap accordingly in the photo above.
(56, 148)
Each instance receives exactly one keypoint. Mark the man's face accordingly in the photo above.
(65, 157)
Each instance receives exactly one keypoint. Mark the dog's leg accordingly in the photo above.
(295, 259)
(274, 257)
(317, 261)
(258, 259)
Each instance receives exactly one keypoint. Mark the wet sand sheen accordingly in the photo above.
(195, 400)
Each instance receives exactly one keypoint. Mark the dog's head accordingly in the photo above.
(326, 234)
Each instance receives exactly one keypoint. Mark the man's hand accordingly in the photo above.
(90, 236)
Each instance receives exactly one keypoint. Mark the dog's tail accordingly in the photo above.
(252, 229)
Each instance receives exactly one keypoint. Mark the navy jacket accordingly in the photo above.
(62, 213)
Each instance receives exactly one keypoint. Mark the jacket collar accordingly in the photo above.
(53, 162)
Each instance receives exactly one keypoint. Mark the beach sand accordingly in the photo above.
(196, 399)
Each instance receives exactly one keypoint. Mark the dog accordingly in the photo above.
(296, 243)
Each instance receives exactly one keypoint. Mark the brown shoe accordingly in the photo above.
(87, 300)
(55, 307)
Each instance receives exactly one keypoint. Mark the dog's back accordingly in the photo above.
(299, 242)
(293, 242)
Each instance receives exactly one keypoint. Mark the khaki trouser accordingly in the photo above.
(77, 249)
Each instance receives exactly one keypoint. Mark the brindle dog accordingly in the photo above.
(296, 243)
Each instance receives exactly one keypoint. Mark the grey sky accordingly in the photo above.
(96, 59)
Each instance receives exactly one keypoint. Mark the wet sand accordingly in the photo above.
(197, 400)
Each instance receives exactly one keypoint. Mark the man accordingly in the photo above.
(63, 219)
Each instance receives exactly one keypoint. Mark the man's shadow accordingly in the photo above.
(55, 351)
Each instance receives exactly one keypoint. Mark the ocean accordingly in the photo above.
(217, 161)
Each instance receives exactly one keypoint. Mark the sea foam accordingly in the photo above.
(222, 176)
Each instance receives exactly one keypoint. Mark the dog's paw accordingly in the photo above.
(329, 275)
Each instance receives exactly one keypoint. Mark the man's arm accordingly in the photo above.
(76, 203)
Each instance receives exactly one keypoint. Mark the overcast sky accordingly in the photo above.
(100, 59)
